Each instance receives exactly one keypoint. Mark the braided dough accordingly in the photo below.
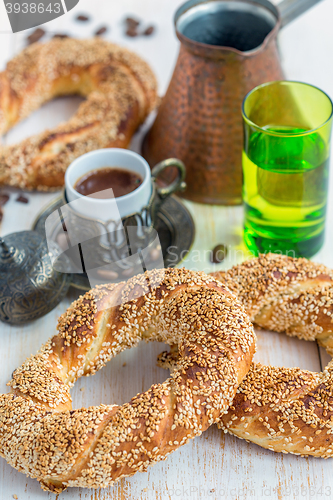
(43, 437)
(283, 294)
(286, 410)
(120, 88)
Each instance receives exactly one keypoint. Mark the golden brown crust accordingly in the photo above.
(93, 447)
(286, 410)
(120, 91)
(284, 294)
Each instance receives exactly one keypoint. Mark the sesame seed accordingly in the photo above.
(96, 446)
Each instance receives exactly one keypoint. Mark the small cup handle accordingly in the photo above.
(178, 184)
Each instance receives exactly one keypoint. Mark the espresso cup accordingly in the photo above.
(108, 208)
(107, 238)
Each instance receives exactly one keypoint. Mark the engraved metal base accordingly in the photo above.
(174, 225)
(30, 287)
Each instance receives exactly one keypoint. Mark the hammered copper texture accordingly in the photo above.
(200, 121)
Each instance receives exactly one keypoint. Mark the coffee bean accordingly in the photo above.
(101, 31)
(107, 274)
(218, 254)
(62, 241)
(132, 32)
(131, 22)
(71, 145)
(149, 31)
(3, 199)
(155, 254)
(128, 272)
(82, 18)
(35, 36)
(60, 35)
(22, 199)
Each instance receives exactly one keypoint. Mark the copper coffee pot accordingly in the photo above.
(228, 47)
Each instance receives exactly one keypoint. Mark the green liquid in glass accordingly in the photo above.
(285, 186)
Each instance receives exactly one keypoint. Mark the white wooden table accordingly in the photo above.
(214, 465)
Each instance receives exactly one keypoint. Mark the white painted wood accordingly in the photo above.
(212, 466)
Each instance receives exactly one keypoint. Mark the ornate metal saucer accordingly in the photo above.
(29, 285)
(173, 223)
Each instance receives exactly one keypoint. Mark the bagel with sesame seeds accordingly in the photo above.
(285, 294)
(120, 91)
(42, 436)
(286, 410)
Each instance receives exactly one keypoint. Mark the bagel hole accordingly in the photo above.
(129, 373)
(280, 350)
(48, 116)
(135, 370)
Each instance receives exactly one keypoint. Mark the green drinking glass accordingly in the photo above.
(287, 130)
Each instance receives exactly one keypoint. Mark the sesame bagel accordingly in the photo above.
(286, 410)
(120, 91)
(285, 294)
(43, 437)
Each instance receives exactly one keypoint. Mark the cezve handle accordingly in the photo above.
(290, 9)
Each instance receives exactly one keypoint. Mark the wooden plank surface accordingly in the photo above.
(214, 465)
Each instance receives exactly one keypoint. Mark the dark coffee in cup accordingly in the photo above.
(96, 182)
